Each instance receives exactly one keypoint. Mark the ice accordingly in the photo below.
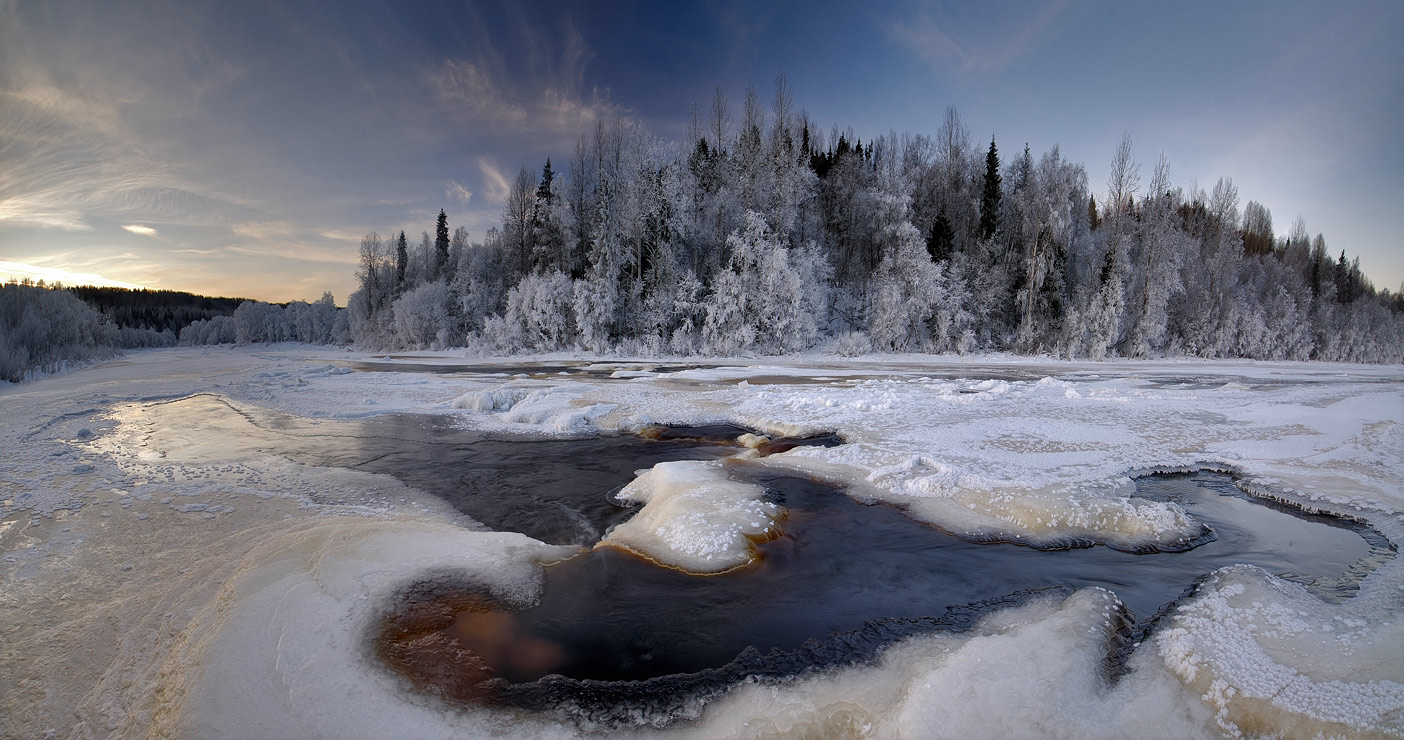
(1269, 656)
(498, 399)
(695, 517)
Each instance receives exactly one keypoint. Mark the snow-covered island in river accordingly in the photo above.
(297, 542)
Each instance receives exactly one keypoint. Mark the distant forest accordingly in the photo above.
(761, 234)
(45, 329)
(156, 310)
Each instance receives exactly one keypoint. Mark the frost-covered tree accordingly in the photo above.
(757, 302)
(1161, 251)
(539, 315)
(1106, 312)
(761, 232)
(422, 318)
(401, 261)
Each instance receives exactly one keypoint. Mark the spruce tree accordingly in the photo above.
(941, 242)
(441, 244)
(990, 196)
(401, 261)
(544, 193)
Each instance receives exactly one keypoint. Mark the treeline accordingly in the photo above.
(760, 234)
(198, 319)
(157, 310)
(318, 322)
(45, 329)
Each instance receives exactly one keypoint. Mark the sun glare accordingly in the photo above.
(50, 275)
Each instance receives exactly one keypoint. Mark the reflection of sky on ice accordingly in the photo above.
(227, 554)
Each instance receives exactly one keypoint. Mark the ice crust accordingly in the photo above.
(1270, 657)
(147, 584)
(695, 517)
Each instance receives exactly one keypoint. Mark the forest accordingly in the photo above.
(760, 234)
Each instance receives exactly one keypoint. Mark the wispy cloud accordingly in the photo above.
(541, 93)
(285, 240)
(299, 252)
(76, 129)
(472, 92)
(926, 37)
(992, 44)
(139, 229)
(496, 182)
(455, 191)
(264, 230)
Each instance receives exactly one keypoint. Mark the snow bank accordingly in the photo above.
(694, 518)
(1031, 672)
(1045, 462)
(294, 619)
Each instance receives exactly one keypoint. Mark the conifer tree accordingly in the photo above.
(941, 242)
(441, 244)
(544, 194)
(401, 261)
(990, 196)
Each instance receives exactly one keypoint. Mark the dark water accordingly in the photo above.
(557, 491)
(839, 565)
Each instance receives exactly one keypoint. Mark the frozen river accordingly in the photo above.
(236, 543)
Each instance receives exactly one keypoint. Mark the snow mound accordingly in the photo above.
(695, 517)
(497, 399)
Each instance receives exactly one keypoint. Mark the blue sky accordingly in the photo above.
(243, 148)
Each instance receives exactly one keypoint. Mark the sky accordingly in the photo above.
(243, 149)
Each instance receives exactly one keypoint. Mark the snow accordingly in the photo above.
(1031, 672)
(125, 612)
(321, 582)
(695, 517)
